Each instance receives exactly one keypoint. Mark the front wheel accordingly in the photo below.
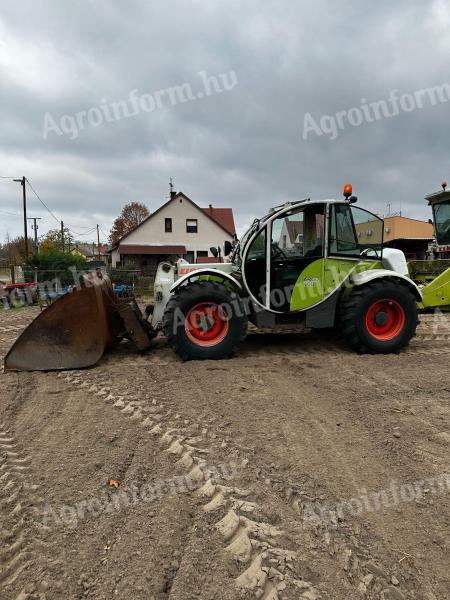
(380, 317)
(205, 320)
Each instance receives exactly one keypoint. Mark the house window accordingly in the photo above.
(202, 253)
(168, 225)
(191, 225)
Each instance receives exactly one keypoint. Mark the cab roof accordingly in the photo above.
(295, 203)
(438, 197)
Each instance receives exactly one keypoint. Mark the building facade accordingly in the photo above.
(178, 229)
(412, 236)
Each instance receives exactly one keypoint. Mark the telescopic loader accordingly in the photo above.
(315, 264)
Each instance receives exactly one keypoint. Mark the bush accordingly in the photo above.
(54, 265)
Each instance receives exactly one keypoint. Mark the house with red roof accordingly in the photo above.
(180, 228)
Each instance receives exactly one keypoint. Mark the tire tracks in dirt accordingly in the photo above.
(267, 568)
(374, 382)
(356, 562)
(22, 542)
(334, 537)
(367, 579)
(183, 443)
(239, 544)
(432, 338)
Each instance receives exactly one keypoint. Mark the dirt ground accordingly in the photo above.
(298, 469)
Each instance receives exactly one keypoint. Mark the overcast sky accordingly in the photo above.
(243, 147)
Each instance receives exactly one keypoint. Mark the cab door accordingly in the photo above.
(296, 258)
(283, 263)
(355, 243)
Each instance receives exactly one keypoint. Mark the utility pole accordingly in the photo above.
(98, 242)
(22, 182)
(62, 235)
(35, 227)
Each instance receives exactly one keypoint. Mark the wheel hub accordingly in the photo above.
(206, 324)
(381, 318)
(385, 319)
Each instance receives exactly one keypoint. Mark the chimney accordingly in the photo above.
(210, 208)
(172, 191)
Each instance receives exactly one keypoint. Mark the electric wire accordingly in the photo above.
(41, 201)
(82, 234)
(90, 230)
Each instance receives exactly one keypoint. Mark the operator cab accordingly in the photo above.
(288, 259)
(440, 201)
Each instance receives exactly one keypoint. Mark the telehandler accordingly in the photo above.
(307, 264)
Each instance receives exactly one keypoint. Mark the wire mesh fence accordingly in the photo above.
(26, 286)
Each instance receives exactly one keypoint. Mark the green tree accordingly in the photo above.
(52, 240)
(54, 265)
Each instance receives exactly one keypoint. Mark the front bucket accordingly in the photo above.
(71, 333)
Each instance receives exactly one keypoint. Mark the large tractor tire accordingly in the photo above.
(205, 320)
(380, 317)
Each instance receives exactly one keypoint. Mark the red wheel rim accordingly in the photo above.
(385, 319)
(206, 324)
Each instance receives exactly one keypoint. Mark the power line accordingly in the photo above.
(90, 230)
(84, 227)
(78, 233)
(55, 217)
(42, 202)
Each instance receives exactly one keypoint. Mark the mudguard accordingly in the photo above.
(363, 277)
(194, 273)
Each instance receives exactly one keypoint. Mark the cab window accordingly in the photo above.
(255, 267)
(354, 230)
(299, 234)
(442, 219)
(297, 241)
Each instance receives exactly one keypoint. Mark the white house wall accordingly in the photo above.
(115, 257)
(152, 231)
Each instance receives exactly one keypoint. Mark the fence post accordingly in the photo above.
(13, 274)
(35, 275)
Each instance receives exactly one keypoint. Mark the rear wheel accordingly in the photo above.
(380, 317)
(205, 320)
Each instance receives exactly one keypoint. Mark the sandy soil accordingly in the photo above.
(296, 470)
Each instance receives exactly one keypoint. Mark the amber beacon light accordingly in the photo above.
(348, 190)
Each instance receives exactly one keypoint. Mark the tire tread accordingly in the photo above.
(350, 313)
(174, 303)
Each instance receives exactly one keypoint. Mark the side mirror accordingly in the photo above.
(214, 251)
(227, 248)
